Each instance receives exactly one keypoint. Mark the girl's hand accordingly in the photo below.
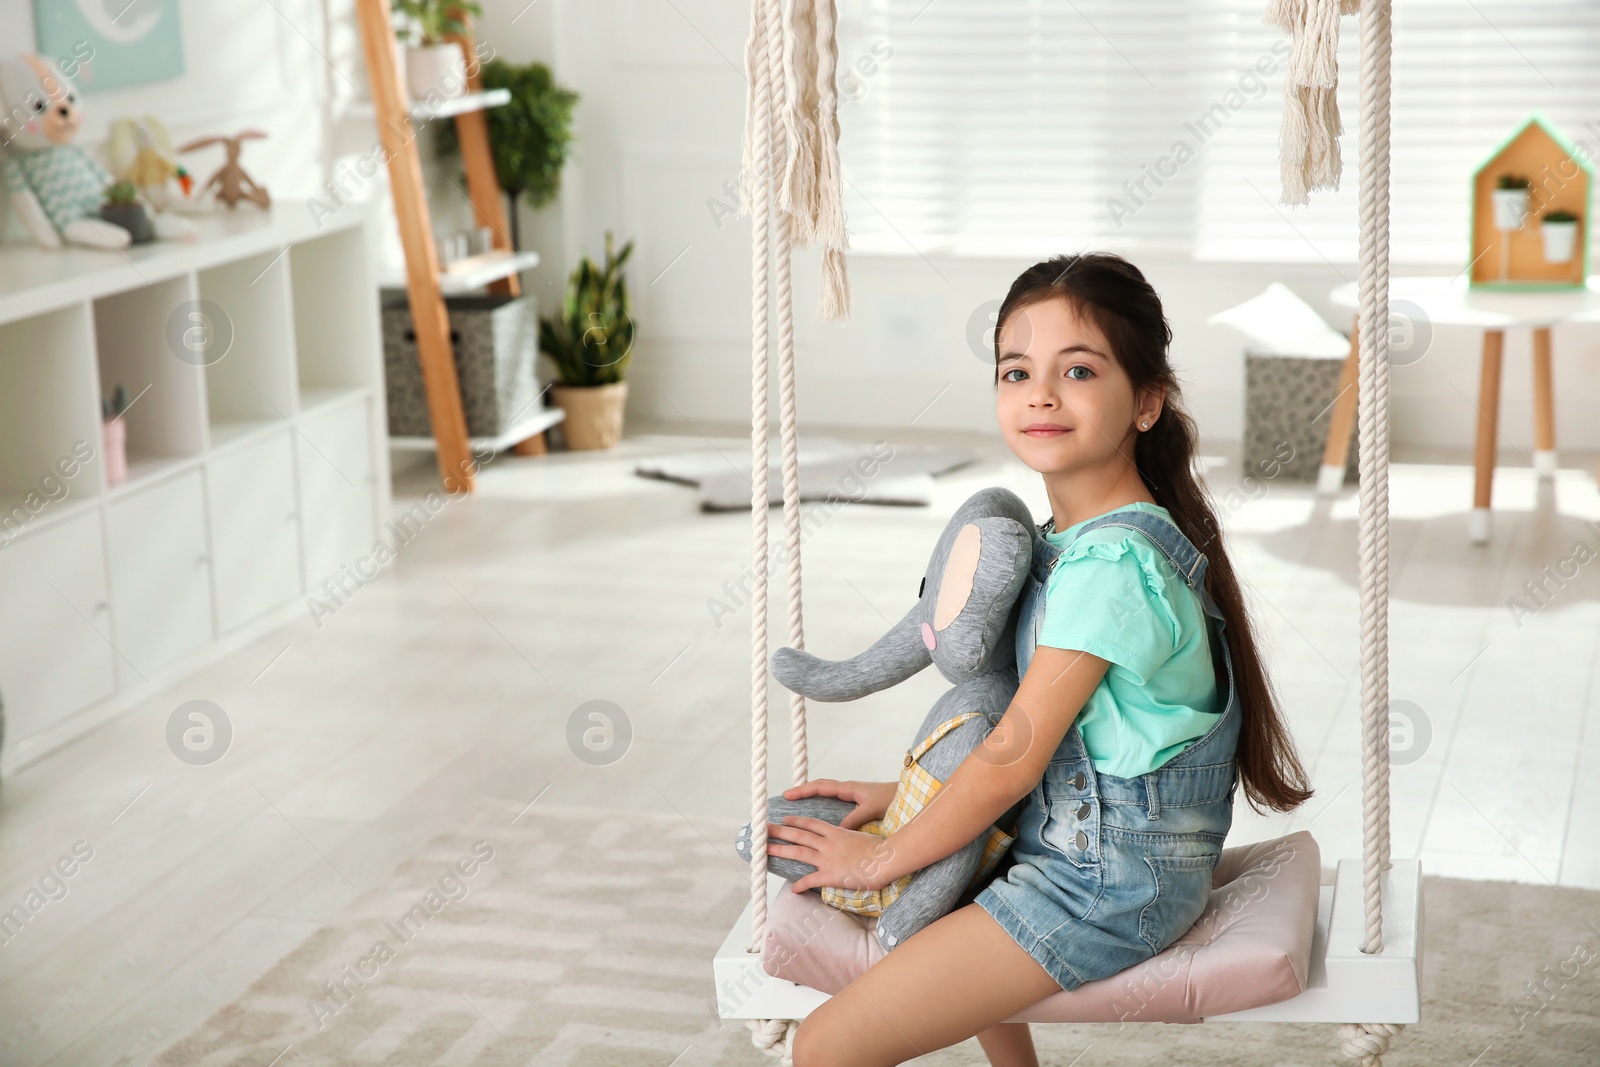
(845, 859)
(871, 799)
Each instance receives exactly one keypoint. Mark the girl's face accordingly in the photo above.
(1063, 401)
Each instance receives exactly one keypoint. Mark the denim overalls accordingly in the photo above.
(1107, 872)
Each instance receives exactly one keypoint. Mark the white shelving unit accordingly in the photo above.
(257, 455)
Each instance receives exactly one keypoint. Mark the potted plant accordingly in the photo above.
(591, 344)
(120, 206)
(531, 137)
(1510, 196)
(114, 435)
(1559, 228)
(435, 65)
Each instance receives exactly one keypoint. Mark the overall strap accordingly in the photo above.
(1187, 561)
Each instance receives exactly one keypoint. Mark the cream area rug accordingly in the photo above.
(577, 936)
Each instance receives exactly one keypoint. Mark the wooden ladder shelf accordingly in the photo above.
(457, 468)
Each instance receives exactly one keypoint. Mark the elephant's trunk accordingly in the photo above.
(893, 658)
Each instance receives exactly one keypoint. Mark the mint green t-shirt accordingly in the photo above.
(1115, 595)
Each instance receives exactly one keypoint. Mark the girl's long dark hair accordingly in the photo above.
(1110, 292)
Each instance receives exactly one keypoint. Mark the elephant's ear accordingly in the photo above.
(960, 568)
(973, 594)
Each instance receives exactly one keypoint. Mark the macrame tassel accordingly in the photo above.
(833, 303)
(798, 193)
(1308, 141)
(755, 59)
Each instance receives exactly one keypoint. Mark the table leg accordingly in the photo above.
(1488, 431)
(1330, 478)
(1544, 410)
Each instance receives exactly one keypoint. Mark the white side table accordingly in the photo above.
(1450, 302)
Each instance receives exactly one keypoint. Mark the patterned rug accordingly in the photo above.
(576, 936)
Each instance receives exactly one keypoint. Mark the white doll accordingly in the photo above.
(56, 187)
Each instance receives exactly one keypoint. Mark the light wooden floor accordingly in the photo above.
(451, 678)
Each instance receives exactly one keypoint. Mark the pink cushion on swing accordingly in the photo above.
(1250, 947)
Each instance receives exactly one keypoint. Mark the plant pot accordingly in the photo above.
(594, 413)
(130, 217)
(114, 439)
(1559, 240)
(1510, 208)
(435, 70)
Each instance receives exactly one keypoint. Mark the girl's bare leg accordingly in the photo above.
(1009, 1045)
(957, 978)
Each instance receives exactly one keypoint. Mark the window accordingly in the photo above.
(1039, 126)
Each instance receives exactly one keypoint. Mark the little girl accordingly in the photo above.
(1143, 703)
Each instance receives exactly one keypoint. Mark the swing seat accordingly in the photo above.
(1272, 945)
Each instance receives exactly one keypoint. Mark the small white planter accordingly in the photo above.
(1559, 240)
(1510, 208)
(435, 71)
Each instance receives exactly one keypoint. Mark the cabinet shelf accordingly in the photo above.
(256, 467)
(461, 105)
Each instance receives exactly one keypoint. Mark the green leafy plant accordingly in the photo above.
(115, 404)
(1511, 181)
(1559, 214)
(530, 137)
(434, 20)
(121, 193)
(591, 341)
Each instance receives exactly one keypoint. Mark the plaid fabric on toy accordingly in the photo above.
(917, 788)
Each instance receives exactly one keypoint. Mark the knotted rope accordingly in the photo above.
(1310, 160)
(791, 129)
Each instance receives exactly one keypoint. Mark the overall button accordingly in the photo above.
(1078, 780)
(1082, 841)
(1083, 812)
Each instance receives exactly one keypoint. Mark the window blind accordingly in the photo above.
(1006, 127)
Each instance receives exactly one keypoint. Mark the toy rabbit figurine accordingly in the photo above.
(964, 623)
(230, 180)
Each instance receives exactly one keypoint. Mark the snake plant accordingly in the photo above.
(591, 341)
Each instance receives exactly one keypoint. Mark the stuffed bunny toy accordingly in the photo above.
(964, 623)
(56, 187)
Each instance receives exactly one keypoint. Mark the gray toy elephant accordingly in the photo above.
(964, 623)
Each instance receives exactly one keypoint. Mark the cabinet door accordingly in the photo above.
(255, 528)
(55, 635)
(334, 461)
(160, 574)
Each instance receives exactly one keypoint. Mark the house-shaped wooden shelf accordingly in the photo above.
(1529, 255)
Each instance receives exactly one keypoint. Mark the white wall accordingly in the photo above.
(659, 133)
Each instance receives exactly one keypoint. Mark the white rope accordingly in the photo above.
(1367, 1042)
(759, 154)
(780, 52)
(1310, 160)
(788, 416)
(1376, 43)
